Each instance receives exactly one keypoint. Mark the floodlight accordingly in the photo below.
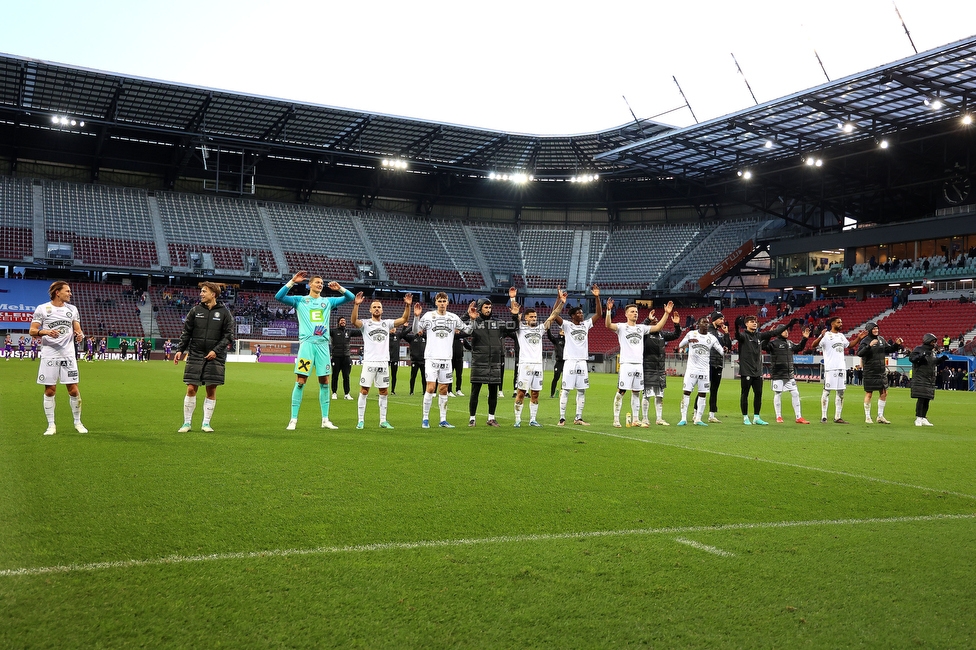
(768, 144)
(56, 119)
(967, 119)
(883, 144)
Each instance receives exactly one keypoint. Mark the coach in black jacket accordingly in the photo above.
(487, 354)
(558, 345)
(716, 361)
(924, 366)
(751, 342)
(207, 332)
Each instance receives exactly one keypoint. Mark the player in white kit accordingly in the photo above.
(529, 335)
(630, 335)
(440, 325)
(833, 344)
(700, 343)
(576, 355)
(58, 325)
(376, 353)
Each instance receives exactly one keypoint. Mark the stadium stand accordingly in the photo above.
(320, 240)
(548, 253)
(107, 226)
(636, 258)
(230, 230)
(500, 246)
(107, 309)
(714, 242)
(940, 317)
(16, 219)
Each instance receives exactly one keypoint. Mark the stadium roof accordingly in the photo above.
(166, 129)
(32, 88)
(877, 104)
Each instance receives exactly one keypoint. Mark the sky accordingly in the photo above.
(537, 67)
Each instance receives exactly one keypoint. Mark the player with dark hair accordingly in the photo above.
(488, 353)
(530, 368)
(720, 331)
(873, 349)
(58, 325)
(576, 355)
(832, 344)
(781, 375)
(655, 371)
(313, 312)
(701, 343)
(341, 357)
(558, 341)
(207, 331)
(751, 341)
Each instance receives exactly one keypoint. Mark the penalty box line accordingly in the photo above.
(781, 463)
(449, 543)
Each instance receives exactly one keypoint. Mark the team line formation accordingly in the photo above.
(435, 336)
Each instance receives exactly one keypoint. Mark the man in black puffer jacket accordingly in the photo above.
(207, 331)
(488, 354)
(873, 350)
(924, 376)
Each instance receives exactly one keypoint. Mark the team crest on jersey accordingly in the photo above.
(579, 335)
(635, 338)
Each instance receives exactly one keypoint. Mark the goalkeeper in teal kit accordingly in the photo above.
(314, 313)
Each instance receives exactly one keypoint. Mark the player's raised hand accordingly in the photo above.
(408, 298)
(299, 277)
(595, 291)
(561, 295)
(609, 304)
(806, 332)
(335, 286)
(472, 311)
(512, 292)
(668, 308)
(417, 309)
(358, 300)
(675, 317)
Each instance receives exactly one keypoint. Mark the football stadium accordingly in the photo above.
(701, 386)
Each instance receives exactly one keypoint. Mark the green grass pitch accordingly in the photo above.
(820, 536)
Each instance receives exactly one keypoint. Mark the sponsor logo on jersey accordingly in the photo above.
(316, 315)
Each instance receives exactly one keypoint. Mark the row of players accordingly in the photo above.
(208, 331)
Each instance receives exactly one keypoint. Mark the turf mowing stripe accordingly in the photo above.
(704, 547)
(785, 464)
(504, 539)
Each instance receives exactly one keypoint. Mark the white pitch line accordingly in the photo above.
(785, 464)
(447, 543)
(704, 547)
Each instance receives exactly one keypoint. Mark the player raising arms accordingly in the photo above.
(655, 370)
(439, 326)
(781, 375)
(376, 353)
(529, 335)
(700, 343)
(575, 355)
(873, 350)
(313, 312)
(832, 344)
(58, 326)
(631, 335)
